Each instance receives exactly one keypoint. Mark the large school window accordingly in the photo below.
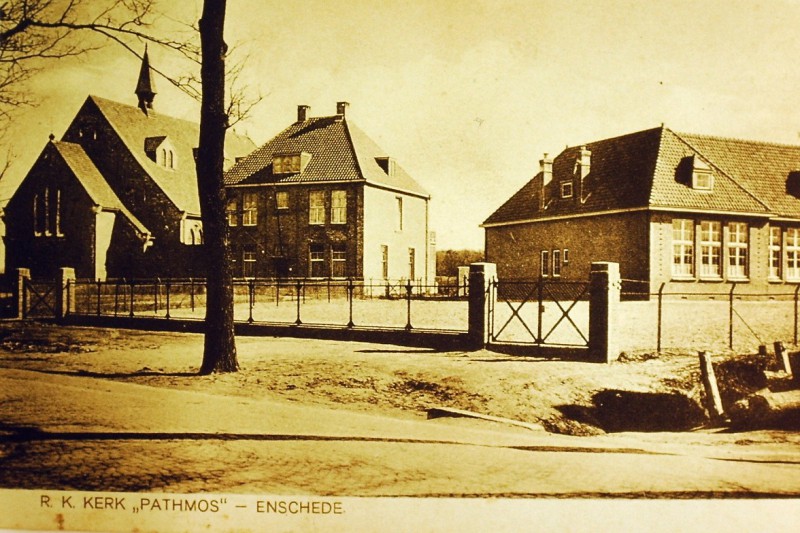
(338, 207)
(316, 207)
(710, 249)
(793, 254)
(339, 260)
(774, 252)
(737, 250)
(544, 270)
(316, 253)
(682, 248)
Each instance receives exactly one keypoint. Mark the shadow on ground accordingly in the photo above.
(617, 410)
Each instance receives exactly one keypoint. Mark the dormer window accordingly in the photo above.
(566, 189)
(290, 163)
(161, 151)
(702, 179)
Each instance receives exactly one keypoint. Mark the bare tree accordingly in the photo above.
(33, 32)
(219, 353)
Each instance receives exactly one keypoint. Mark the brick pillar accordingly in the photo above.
(481, 275)
(19, 291)
(65, 293)
(605, 284)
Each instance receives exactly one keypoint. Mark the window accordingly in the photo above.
(545, 264)
(774, 252)
(286, 164)
(556, 263)
(339, 260)
(565, 256)
(385, 261)
(249, 262)
(737, 250)
(566, 189)
(249, 209)
(338, 207)
(46, 211)
(710, 249)
(793, 254)
(316, 207)
(282, 200)
(412, 253)
(682, 248)
(316, 255)
(702, 181)
(399, 201)
(233, 219)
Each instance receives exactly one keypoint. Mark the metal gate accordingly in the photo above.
(39, 299)
(539, 312)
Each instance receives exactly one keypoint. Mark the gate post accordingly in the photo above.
(23, 274)
(604, 286)
(481, 276)
(65, 292)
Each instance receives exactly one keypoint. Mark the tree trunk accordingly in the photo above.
(219, 354)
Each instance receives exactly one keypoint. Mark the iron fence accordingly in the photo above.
(737, 318)
(408, 304)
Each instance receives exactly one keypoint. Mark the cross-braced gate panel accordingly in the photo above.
(39, 299)
(539, 312)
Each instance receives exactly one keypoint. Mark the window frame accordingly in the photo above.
(683, 248)
(339, 206)
(399, 207)
(556, 269)
(316, 211)
(281, 205)
(738, 251)
(544, 264)
(412, 263)
(710, 240)
(775, 254)
(792, 254)
(385, 261)
(249, 209)
(339, 260)
(567, 189)
(248, 261)
(316, 258)
(232, 214)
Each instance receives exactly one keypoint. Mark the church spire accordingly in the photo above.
(146, 86)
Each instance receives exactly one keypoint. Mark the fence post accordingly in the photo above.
(408, 299)
(781, 357)
(539, 308)
(298, 321)
(168, 291)
(481, 277)
(350, 323)
(99, 288)
(20, 296)
(65, 293)
(250, 298)
(604, 287)
(660, 303)
(730, 316)
(713, 399)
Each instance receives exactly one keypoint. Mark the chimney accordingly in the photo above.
(341, 108)
(546, 169)
(584, 165)
(302, 112)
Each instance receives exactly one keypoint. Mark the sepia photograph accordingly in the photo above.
(399, 265)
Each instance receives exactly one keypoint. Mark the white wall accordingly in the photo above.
(380, 228)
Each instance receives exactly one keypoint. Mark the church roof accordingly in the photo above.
(140, 132)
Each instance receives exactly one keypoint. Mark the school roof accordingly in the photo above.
(339, 151)
(648, 169)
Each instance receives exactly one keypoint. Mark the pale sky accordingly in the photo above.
(468, 95)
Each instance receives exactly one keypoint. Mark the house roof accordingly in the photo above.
(648, 169)
(93, 182)
(339, 151)
(137, 130)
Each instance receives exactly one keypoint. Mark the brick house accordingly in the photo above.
(115, 197)
(321, 199)
(699, 211)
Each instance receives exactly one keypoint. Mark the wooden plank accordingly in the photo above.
(713, 399)
(441, 412)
